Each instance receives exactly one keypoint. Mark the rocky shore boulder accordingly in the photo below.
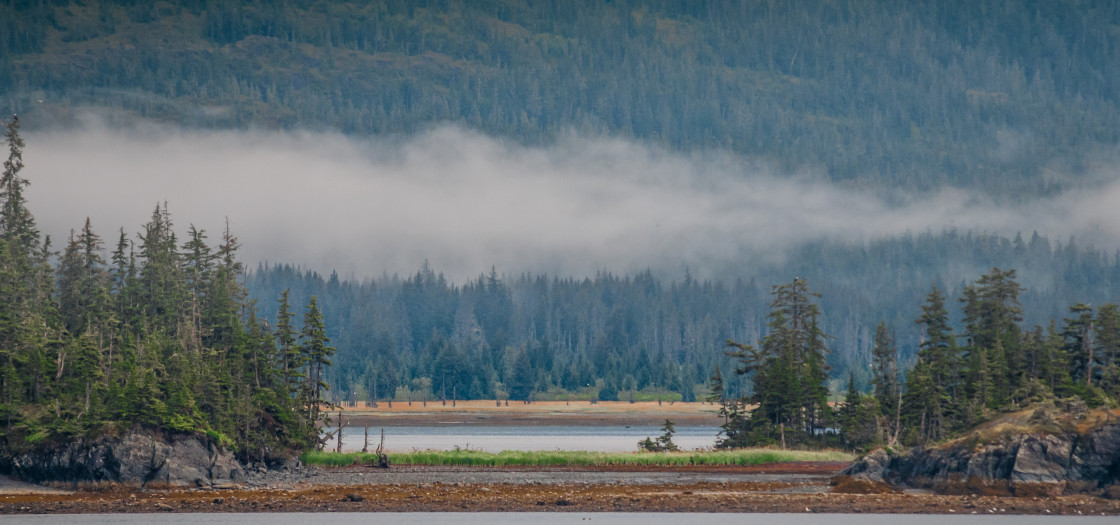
(1019, 464)
(137, 458)
(1042, 459)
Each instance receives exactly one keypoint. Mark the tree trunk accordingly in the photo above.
(338, 447)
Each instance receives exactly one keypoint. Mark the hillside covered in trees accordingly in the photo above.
(1016, 98)
(159, 337)
(1008, 101)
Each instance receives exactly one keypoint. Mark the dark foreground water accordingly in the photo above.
(528, 438)
(493, 518)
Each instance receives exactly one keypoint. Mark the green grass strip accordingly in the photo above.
(568, 458)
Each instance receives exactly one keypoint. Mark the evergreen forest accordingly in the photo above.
(172, 334)
(960, 378)
(160, 335)
(636, 337)
(1011, 98)
(906, 339)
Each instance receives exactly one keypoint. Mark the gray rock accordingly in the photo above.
(871, 467)
(992, 461)
(1042, 463)
(1097, 456)
(135, 459)
(1042, 459)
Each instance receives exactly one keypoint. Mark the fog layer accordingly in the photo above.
(465, 202)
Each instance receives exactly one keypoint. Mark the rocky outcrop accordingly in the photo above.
(134, 459)
(1022, 464)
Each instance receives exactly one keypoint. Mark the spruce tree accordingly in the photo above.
(1107, 339)
(991, 317)
(317, 355)
(933, 392)
(858, 418)
(884, 362)
(789, 370)
(1079, 346)
(289, 355)
(26, 286)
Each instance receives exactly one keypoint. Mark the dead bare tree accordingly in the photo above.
(382, 457)
(338, 447)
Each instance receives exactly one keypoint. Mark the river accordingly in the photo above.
(526, 438)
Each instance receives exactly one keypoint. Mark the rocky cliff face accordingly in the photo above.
(1023, 464)
(135, 459)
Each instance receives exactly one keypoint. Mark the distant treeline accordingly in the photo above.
(910, 95)
(636, 336)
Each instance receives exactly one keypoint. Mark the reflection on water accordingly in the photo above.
(541, 518)
(499, 438)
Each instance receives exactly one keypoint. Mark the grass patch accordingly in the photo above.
(568, 458)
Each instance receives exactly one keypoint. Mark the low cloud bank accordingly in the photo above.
(464, 201)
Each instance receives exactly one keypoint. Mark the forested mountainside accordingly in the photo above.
(539, 336)
(1011, 97)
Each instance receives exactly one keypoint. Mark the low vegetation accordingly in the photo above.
(571, 458)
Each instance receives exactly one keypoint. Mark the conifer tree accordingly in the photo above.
(933, 386)
(1078, 334)
(162, 287)
(789, 370)
(858, 417)
(884, 362)
(289, 355)
(1107, 339)
(317, 355)
(991, 317)
(26, 285)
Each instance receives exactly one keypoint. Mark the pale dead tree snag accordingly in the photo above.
(365, 445)
(338, 447)
(897, 420)
(382, 457)
(1087, 343)
(328, 437)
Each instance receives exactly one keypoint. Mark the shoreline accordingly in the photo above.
(781, 488)
(537, 413)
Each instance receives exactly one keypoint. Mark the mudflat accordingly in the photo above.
(519, 413)
(786, 487)
(780, 487)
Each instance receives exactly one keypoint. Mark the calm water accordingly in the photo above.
(492, 518)
(499, 438)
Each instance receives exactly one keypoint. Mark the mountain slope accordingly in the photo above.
(1007, 97)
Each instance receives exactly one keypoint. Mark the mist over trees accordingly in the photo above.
(637, 336)
(1007, 100)
(1009, 97)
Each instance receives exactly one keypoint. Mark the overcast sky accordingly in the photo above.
(465, 201)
